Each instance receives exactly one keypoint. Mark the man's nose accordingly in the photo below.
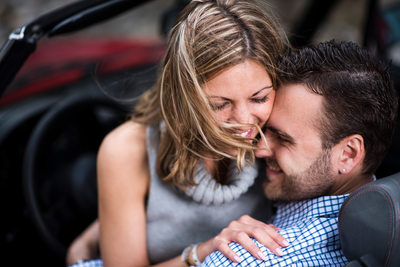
(264, 148)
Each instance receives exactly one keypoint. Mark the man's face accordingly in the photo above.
(297, 166)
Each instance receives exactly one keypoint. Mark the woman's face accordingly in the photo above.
(242, 93)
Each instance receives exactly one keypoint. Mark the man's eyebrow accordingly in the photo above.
(281, 134)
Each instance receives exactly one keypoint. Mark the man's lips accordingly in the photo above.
(273, 168)
(273, 165)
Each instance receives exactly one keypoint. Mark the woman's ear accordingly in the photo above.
(350, 154)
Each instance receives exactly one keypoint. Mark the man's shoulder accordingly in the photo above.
(313, 237)
(318, 247)
(293, 213)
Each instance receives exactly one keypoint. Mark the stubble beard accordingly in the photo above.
(316, 181)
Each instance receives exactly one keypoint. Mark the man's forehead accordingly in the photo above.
(295, 107)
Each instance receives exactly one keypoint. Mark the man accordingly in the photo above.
(330, 128)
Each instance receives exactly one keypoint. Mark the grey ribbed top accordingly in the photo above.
(176, 218)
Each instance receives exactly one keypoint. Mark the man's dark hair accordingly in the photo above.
(359, 97)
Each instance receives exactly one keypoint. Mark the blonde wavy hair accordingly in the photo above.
(208, 37)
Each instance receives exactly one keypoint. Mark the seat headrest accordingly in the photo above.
(369, 221)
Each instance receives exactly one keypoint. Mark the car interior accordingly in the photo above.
(369, 224)
(49, 138)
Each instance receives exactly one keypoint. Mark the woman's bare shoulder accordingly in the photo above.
(123, 152)
(125, 140)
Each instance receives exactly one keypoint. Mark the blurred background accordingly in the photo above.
(55, 113)
(142, 22)
(342, 19)
(345, 21)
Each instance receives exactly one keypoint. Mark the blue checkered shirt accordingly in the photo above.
(311, 228)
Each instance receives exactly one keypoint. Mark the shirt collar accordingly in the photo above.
(324, 206)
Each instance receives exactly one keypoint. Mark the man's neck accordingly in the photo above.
(349, 183)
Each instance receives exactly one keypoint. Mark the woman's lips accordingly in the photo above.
(246, 134)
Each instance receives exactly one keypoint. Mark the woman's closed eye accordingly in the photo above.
(219, 106)
(259, 99)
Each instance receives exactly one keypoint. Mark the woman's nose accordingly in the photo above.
(242, 114)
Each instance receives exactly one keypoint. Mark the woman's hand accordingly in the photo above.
(85, 246)
(242, 230)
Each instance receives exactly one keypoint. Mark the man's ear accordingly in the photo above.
(350, 154)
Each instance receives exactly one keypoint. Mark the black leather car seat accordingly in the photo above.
(369, 224)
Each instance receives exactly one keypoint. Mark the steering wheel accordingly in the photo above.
(59, 168)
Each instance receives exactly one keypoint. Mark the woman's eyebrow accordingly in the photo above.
(217, 96)
(264, 88)
(256, 93)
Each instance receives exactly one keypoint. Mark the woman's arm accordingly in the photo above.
(123, 179)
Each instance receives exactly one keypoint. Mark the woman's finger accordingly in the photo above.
(248, 244)
(269, 229)
(273, 234)
(229, 253)
(272, 240)
(274, 227)
(266, 234)
(242, 230)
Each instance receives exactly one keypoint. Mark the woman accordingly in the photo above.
(182, 168)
